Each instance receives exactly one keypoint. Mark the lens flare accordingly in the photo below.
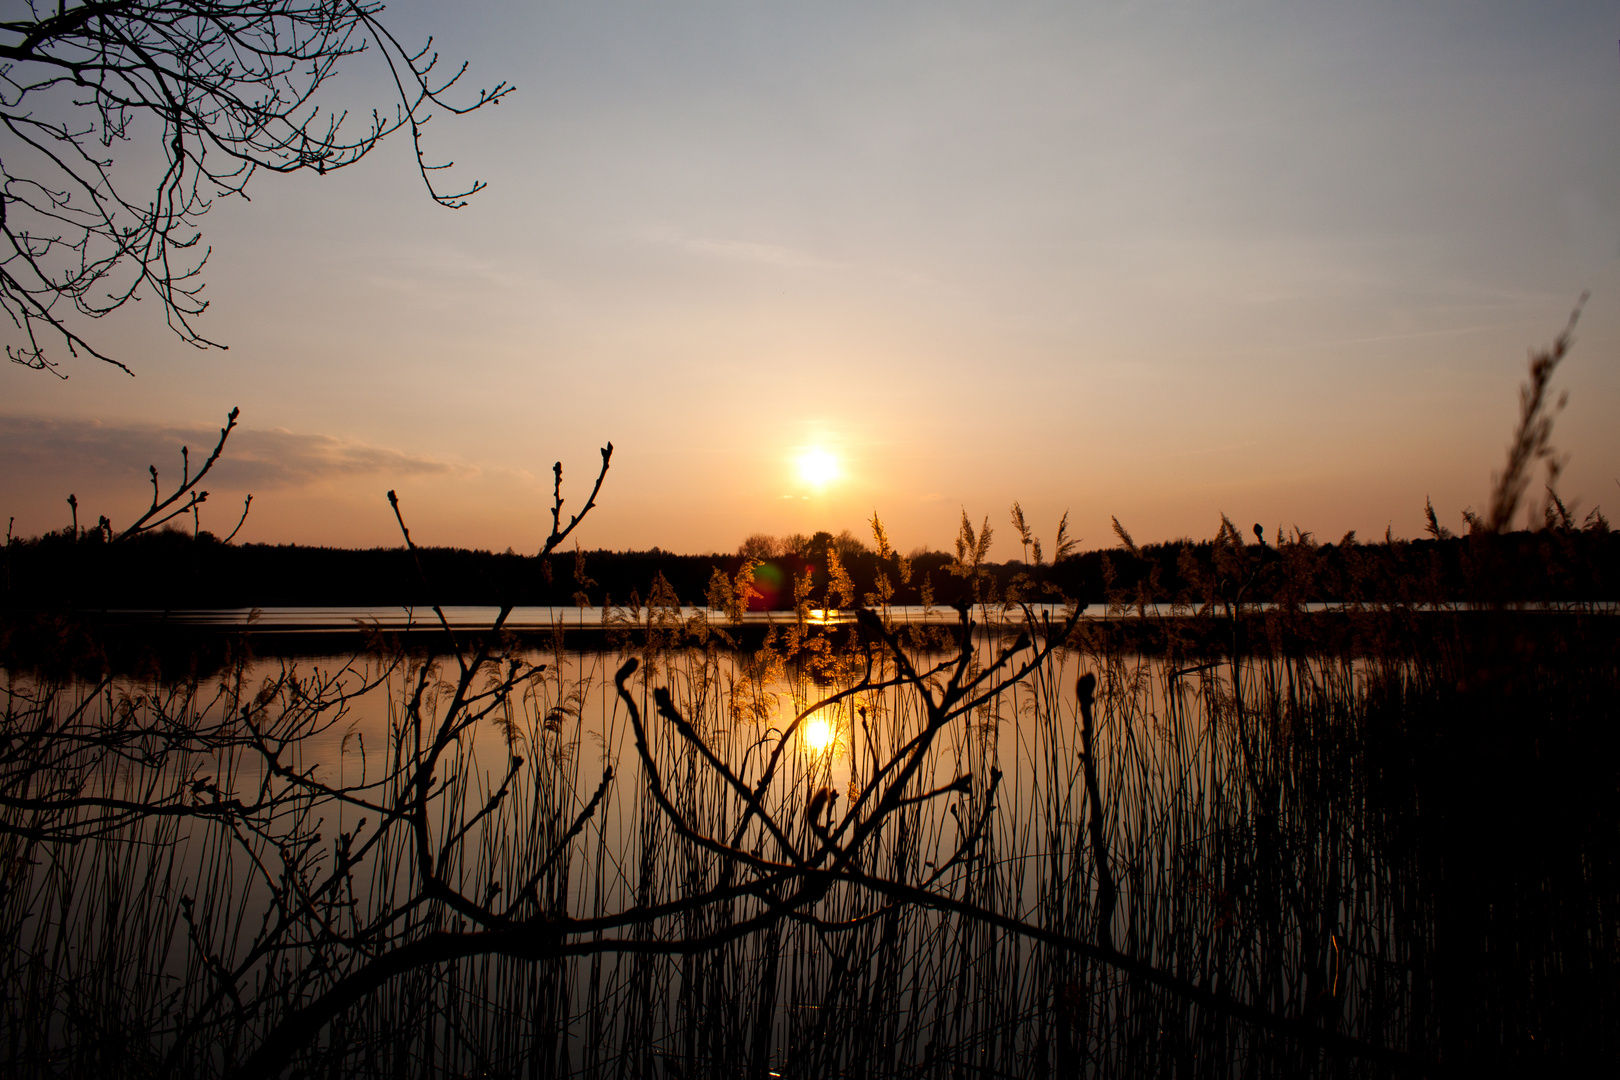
(818, 467)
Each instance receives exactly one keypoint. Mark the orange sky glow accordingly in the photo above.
(1281, 261)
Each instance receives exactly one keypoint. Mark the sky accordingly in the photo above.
(1161, 261)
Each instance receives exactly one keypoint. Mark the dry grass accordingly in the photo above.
(1355, 849)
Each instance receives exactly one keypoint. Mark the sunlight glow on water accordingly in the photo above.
(818, 734)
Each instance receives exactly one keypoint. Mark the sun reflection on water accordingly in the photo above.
(818, 734)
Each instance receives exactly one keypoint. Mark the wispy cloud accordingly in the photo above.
(256, 459)
(746, 251)
(289, 458)
(442, 272)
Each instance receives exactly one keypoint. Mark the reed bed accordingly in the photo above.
(1265, 865)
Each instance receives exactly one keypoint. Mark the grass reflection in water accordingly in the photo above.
(562, 865)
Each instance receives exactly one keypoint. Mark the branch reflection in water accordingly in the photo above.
(578, 862)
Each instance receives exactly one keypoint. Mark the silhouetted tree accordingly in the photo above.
(219, 89)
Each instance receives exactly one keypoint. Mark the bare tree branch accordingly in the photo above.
(223, 88)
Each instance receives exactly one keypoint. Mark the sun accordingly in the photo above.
(818, 467)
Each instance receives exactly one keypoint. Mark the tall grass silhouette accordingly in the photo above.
(1306, 864)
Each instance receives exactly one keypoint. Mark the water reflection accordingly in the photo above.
(1244, 844)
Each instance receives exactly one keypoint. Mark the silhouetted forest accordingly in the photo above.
(171, 570)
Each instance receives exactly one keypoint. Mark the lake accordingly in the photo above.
(803, 861)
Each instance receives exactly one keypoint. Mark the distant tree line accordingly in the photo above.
(169, 570)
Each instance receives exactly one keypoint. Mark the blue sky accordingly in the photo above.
(1160, 261)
